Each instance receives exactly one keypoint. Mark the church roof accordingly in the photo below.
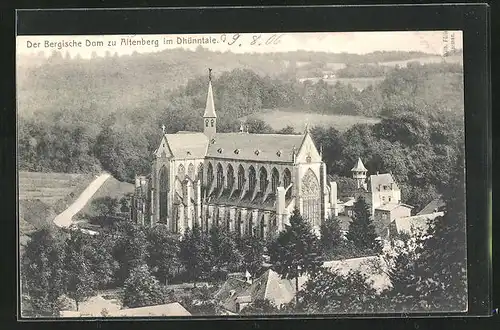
(255, 147)
(359, 167)
(187, 144)
(378, 180)
(210, 108)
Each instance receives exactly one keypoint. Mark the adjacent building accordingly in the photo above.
(381, 193)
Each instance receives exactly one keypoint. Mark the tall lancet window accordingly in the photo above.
(252, 179)
(181, 172)
(200, 173)
(275, 180)
(230, 177)
(311, 198)
(163, 176)
(210, 174)
(191, 171)
(241, 178)
(287, 179)
(263, 179)
(220, 176)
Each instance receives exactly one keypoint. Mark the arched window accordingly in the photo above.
(212, 122)
(181, 172)
(206, 123)
(263, 179)
(200, 173)
(163, 176)
(252, 179)
(220, 176)
(287, 179)
(230, 177)
(210, 174)
(191, 171)
(275, 180)
(262, 224)
(311, 198)
(241, 178)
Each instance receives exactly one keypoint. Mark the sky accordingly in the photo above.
(337, 42)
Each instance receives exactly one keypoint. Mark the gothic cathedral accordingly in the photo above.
(249, 183)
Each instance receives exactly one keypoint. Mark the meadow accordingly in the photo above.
(281, 118)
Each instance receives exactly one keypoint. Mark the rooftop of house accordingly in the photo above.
(378, 182)
(373, 266)
(434, 206)
(417, 223)
(172, 309)
(393, 206)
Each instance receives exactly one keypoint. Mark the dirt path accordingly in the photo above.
(65, 218)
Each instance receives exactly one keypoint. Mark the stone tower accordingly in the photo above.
(209, 117)
(359, 173)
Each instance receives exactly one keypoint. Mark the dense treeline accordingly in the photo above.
(86, 138)
(427, 272)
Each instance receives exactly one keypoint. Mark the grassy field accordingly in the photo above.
(281, 118)
(42, 196)
(358, 83)
(111, 188)
(426, 60)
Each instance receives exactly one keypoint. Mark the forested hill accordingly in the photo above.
(107, 113)
(60, 82)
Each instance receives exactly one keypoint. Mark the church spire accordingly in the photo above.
(210, 117)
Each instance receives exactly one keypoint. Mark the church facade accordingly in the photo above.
(249, 183)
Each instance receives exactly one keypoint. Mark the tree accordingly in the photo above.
(258, 126)
(331, 234)
(42, 268)
(131, 248)
(332, 293)
(163, 256)
(253, 251)
(101, 259)
(143, 289)
(79, 277)
(287, 130)
(260, 307)
(225, 254)
(196, 253)
(361, 229)
(442, 257)
(105, 206)
(296, 250)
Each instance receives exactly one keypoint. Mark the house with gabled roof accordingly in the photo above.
(381, 193)
(249, 183)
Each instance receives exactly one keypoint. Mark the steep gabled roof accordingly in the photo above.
(359, 167)
(210, 107)
(255, 147)
(188, 145)
(380, 180)
(434, 206)
(270, 286)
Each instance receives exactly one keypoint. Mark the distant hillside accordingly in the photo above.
(116, 83)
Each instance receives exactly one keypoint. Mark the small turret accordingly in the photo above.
(359, 173)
